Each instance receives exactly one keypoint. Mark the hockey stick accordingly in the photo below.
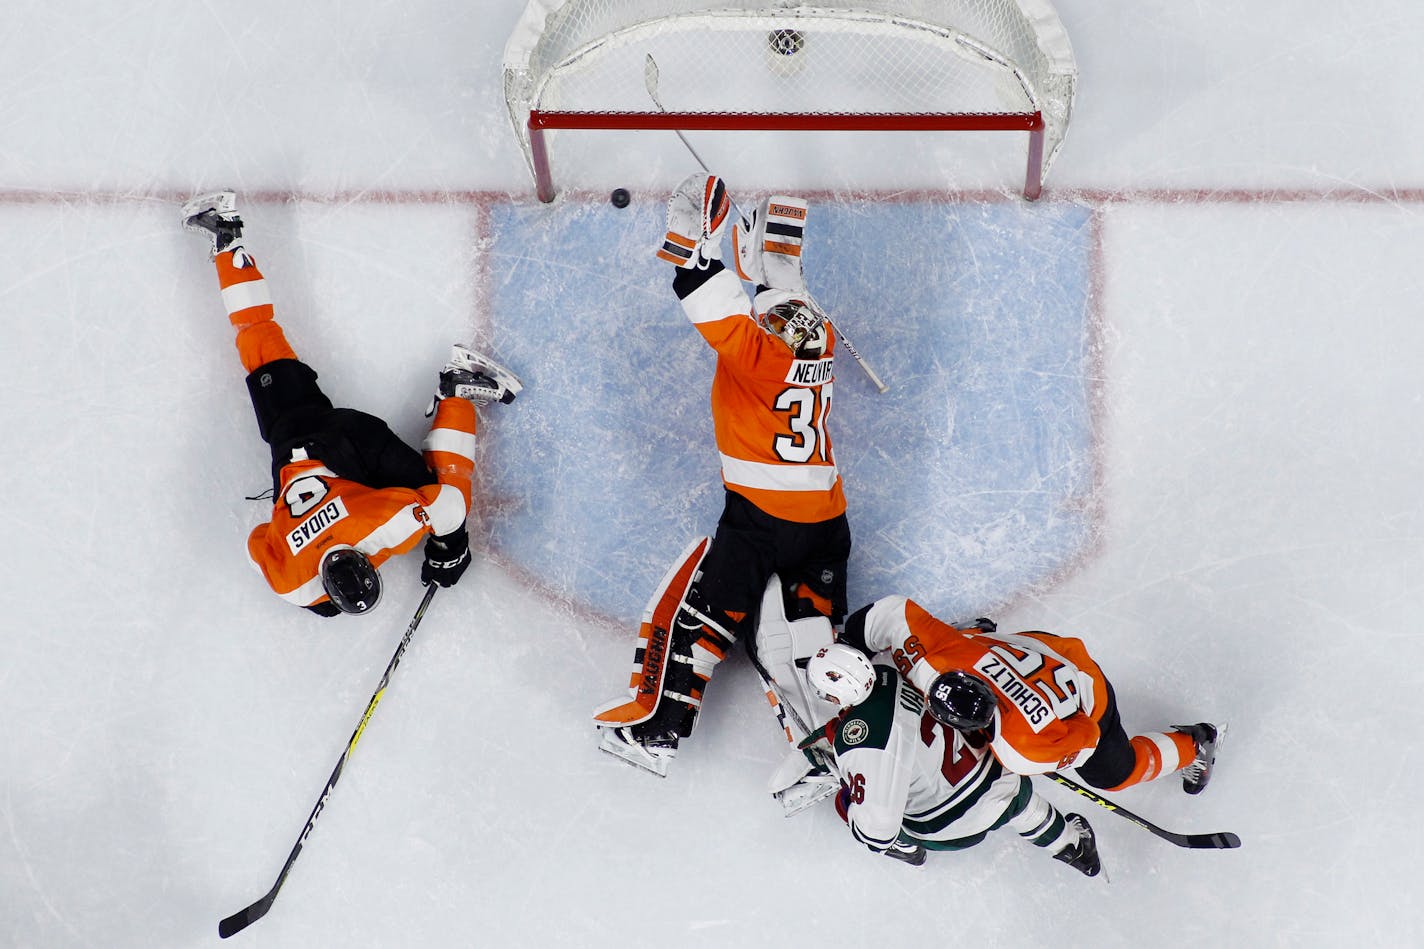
(1221, 841)
(783, 707)
(246, 917)
(875, 379)
(650, 82)
(811, 794)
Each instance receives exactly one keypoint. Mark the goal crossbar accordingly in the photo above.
(1030, 122)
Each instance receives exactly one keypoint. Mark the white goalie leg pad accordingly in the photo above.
(783, 646)
(769, 245)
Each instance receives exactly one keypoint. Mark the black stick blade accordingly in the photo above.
(1221, 841)
(240, 920)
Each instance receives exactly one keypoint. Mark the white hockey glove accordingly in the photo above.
(696, 217)
(769, 246)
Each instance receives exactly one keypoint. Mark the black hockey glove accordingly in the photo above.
(853, 633)
(985, 625)
(327, 609)
(446, 558)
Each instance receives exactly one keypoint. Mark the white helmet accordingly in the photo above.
(792, 320)
(840, 674)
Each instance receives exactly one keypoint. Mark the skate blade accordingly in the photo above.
(635, 755)
(223, 202)
(471, 359)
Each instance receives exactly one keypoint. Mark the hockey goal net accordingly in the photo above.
(852, 65)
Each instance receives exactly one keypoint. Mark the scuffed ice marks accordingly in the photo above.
(966, 481)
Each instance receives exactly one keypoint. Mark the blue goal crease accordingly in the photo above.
(971, 480)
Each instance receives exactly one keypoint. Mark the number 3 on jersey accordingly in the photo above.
(304, 494)
(808, 423)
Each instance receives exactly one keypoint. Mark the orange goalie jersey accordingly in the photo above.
(769, 408)
(1051, 694)
(316, 510)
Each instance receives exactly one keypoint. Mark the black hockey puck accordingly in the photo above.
(620, 197)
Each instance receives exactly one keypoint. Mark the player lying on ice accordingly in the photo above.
(785, 509)
(349, 494)
(936, 752)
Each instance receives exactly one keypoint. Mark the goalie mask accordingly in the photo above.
(799, 325)
(961, 700)
(840, 674)
(351, 580)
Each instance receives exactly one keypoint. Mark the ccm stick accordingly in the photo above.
(1221, 841)
(650, 81)
(246, 917)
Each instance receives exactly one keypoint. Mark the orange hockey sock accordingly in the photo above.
(244, 291)
(249, 308)
(261, 343)
(1158, 754)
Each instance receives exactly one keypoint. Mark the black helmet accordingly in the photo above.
(351, 580)
(961, 700)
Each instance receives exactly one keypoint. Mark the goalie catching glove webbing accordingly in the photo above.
(696, 217)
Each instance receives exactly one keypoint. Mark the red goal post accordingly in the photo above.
(835, 65)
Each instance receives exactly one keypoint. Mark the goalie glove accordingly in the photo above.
(768, 247)
(447, 557)
(696, 217)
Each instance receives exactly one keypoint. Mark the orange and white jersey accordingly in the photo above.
(1050, 692)
(769, 409)
(316, 510)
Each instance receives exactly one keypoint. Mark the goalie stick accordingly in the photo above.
(1219, 841)
(650, 81)
(247, 916)
(783, 707)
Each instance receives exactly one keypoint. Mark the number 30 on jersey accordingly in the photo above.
(808, 410)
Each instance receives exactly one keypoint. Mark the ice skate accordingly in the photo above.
(472, 375)
(907, 852)
(1082, 855)
(1207, 738)
(651, 752)
(216, 216)
(814, 786)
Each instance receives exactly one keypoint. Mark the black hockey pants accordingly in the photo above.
(293, 412)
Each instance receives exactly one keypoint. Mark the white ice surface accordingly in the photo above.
(166, 724)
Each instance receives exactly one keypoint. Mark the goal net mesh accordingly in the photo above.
(761, 56)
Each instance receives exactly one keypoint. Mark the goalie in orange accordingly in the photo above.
(785, 509)
(349, 494)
